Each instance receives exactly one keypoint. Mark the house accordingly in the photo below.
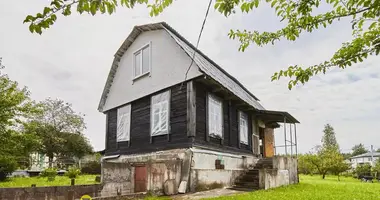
(366, 158)
(173, 128)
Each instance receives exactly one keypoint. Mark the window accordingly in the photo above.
(141, 61)
(243, 128)
(215, 117)
(123, 123)
(160, 114)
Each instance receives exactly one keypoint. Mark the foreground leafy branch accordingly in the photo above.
(298, 15)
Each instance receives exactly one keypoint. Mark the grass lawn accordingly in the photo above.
(313, 188)
(39, 181)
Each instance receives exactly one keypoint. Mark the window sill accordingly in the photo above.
(140, 76)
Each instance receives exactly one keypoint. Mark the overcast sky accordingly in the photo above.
(72, 59)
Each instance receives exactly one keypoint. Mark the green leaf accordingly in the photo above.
(93, 8)
(46, 10)
(29, 18)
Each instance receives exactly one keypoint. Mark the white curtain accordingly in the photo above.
(215, 116)
(123, 123)
(243, 128)
(160, 114)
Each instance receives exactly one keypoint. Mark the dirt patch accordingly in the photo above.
(207, 194)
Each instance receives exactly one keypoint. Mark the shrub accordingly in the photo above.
(7, 166)
(50, 173)
(92, 167)
(363, 170)
(73, 172)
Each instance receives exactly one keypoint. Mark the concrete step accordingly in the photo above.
(243, 189)
(247, 178)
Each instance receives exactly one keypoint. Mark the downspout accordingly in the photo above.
(101, 164)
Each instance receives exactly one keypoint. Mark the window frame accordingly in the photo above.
(161, 132)
(243, 114)
(128, 107)
(218, 99)
(140, 51)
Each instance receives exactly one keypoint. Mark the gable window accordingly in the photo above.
(123, 123)
(141, 61)
(160, 114)
(215, 117)
(243, 128)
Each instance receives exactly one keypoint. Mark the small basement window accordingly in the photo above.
(215, 116)
(141, 61)
(243, 128)
(160, 114)
(123, 123)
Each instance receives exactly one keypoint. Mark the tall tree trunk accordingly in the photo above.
(338, 177)
(323, 175)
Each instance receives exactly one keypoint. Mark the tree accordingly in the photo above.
(329, 140)
(363, 170)
(304, 164)
(15, 107)
(378, 150)
(60, 129)
(339, 165)
(376, 169)
(299, 16)
(358, 150)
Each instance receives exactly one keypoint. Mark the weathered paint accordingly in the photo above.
(169, 64)
(119, 173)
(268, 142)
(284, 172)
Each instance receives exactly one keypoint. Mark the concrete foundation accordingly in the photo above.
(118, 174)
(167, 169)
(284, 172)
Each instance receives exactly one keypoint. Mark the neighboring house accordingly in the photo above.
(366, 158)
(172, 127)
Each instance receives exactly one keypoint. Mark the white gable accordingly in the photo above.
(169, 63)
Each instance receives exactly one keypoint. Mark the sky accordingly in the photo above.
(72, 59)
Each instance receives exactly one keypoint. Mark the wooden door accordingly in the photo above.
(140, 178)
(269, 142)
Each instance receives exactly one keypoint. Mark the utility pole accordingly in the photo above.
(371, 155)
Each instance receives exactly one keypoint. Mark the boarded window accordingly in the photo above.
(142, 61)
(243, 128)
(160, 114)
(123, 123)
(215, 117)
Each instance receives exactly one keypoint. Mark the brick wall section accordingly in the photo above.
(50, 193)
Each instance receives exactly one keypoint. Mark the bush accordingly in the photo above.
(50, 173)
(73, 172)
(92, 167)
(7, 166)
(363, 170)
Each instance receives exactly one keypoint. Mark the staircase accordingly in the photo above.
(249, 180)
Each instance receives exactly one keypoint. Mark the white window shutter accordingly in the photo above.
(160, 114)
(123, 123)
(215, 123)
(243, 127)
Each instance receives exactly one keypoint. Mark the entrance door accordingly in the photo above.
(140, 178)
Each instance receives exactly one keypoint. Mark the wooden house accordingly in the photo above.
(177, 124)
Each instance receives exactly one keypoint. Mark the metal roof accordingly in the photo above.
(368, 154)
(205, 64)
(270, 116)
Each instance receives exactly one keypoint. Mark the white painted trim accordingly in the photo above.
(215, 153)
(149, 46)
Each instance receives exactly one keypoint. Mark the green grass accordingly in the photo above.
(315, 188)
(39, 181)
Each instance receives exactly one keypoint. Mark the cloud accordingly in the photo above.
(72, 59)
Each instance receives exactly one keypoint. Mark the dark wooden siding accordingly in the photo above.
(111, 145)
(230, 126)
(140, 140)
